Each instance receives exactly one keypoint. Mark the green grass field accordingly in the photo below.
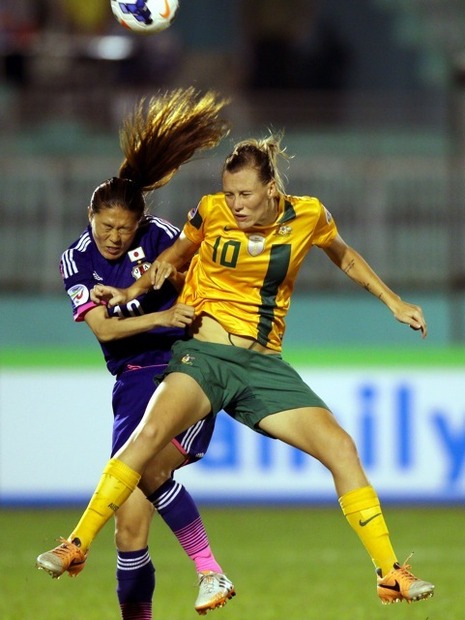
(286, 563)
(90, 357)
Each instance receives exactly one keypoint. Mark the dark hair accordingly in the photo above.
(160, 135)
(261, 155)
(116, 192)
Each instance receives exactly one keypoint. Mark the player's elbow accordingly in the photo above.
(105, 335)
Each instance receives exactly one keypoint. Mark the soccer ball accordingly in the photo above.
(149, 16)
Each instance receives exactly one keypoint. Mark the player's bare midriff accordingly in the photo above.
(208, 329)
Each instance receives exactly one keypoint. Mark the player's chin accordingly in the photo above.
(112, 254)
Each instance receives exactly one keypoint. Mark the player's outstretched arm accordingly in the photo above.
(358, 270)
(114, 296)
(176, 257)
(108, 328)
(104, 294)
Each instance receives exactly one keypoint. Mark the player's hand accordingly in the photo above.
(161, 271)
(108, 295)
(179, 315)
(412, 315)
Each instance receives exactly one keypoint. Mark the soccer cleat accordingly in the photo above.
(66, 557)
(215, 590)
(401, 585)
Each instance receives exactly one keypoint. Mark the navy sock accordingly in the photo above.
(178, 510)
(135, 575)
(174, 504)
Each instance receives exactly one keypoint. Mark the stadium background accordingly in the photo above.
(370, 94)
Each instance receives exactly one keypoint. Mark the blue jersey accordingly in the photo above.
(82, 266)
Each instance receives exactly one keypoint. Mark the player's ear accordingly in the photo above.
(89, 214)
(272, 191)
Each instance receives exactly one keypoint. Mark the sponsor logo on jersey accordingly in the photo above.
(79, 294)
(255, 244)
(97, 277)
(136, 255)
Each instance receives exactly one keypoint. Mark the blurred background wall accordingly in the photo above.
(370, 93)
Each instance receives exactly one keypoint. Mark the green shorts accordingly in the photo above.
(248, 385)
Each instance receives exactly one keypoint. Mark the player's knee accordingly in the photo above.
(345, 449)
(152, 435)
(129, 535)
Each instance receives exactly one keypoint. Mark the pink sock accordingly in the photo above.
(204, 561)
(177, 508)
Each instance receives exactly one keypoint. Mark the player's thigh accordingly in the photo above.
(177, 403)
(161, 467)
(132, 522)
(313, 430)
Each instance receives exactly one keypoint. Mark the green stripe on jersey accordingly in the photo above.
(280, 257)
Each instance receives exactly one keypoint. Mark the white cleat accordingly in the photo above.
(215, 590)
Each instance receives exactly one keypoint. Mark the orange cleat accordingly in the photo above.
(401, 585)
(68, 556)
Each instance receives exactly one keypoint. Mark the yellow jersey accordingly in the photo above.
(244, 279)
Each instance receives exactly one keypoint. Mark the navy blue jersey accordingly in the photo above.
(82, 266)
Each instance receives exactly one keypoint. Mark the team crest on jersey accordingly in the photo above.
(79, 294)
(137, 256)
(284, 231)
(138, 270)
(255, 244)
(187, 359)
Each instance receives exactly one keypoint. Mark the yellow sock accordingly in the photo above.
(117, 483)
(363, 512)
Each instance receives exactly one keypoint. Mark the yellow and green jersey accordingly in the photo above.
(244, 279)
